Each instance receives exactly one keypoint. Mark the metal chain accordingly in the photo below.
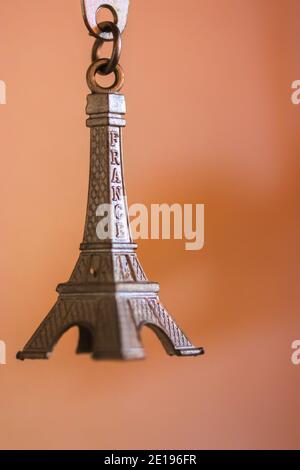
(104, 65)
(113, 61)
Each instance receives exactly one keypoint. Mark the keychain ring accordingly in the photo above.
(95, 68)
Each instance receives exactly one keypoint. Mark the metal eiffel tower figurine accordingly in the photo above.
(108, 296)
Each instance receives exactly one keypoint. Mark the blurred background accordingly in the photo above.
(210, 120)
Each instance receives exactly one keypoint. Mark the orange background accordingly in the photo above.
(210, 120)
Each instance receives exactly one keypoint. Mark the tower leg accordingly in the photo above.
(109, 328)
(150, 312)
(65, 314)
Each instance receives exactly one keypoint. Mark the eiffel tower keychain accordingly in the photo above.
(108, 296)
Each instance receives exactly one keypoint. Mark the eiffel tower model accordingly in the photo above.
(108, 296)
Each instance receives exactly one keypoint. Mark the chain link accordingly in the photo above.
(113, 61)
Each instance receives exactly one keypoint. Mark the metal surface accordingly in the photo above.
(119, 8)
(108, 296)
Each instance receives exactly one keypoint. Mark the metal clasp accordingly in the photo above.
(119, 9)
